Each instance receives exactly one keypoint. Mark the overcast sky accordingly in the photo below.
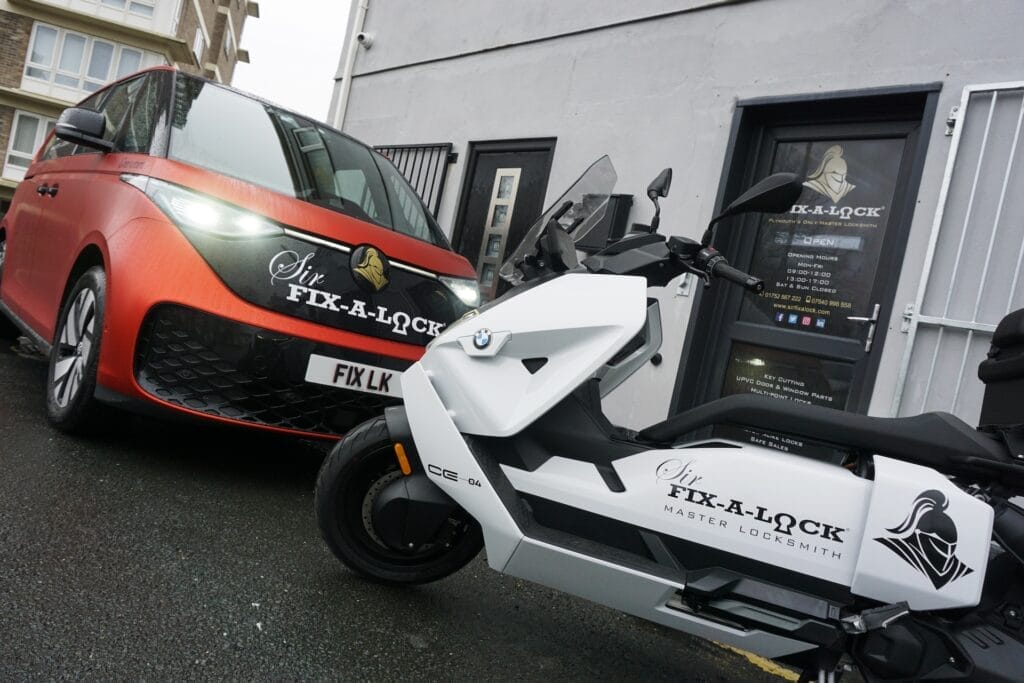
(294, 49)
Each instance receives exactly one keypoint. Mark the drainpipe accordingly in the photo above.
(350, 63)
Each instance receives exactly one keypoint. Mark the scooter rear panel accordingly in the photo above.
(880, 538)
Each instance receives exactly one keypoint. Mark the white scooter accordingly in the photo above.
(887, 561)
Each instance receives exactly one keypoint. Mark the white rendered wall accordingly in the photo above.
(662, 93)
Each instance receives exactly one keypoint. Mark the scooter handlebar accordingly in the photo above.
(723, 270)
(713, 263)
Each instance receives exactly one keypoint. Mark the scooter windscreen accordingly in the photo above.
(587, 199)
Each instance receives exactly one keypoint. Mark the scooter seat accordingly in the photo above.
(938, 440)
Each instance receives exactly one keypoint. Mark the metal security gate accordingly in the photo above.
(425, 167)
(972, 273)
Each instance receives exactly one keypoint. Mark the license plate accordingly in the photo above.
(345, 374)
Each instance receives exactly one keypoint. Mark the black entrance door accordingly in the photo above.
(830, 266)
(501, 197)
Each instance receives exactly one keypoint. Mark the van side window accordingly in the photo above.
(117, 104)
(343, 174)
(138, 127)
(407, 213)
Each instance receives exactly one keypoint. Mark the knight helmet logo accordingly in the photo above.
(370, 268)
(829, 179)
(926, 540)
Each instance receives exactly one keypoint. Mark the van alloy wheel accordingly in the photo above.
(74, 348)
(71, 404)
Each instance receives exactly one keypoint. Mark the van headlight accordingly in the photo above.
(195, 211)
(467, 290)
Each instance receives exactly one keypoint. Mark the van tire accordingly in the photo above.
(71, 404)
(8, 330)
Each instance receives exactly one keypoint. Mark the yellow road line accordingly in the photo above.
(765, 664)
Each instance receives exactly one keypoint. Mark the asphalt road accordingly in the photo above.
(162, 551)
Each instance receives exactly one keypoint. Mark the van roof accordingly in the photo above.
(243, 93)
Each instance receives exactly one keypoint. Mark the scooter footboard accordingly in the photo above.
(637, 593)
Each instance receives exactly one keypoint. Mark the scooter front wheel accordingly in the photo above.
(355, 472)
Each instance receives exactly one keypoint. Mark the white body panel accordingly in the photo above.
(577, 321)
(439, 443)
(789, 511)
(883, 573)
(748, 500)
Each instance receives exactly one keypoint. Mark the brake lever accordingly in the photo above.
(692, 269)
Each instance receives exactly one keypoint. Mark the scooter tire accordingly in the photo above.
(364, 457)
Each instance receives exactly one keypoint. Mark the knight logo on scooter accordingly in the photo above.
(930, 545)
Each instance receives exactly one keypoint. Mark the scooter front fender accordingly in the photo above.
(449, 463)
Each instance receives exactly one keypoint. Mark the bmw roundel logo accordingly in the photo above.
(482, 338)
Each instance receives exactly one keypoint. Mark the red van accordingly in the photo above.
(179, 245)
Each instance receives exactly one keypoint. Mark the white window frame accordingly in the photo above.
(86, 84)
(229, 41)
(199, 46)
(130, 7)
(45, 125)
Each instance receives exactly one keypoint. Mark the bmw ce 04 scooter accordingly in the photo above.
(902, 559)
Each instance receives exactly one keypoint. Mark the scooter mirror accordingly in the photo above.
(659, 186)
(775, 194)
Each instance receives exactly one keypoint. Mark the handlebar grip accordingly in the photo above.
(723, 270)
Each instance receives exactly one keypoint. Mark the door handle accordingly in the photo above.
(53, 190)
(42, 189)
(872, 322)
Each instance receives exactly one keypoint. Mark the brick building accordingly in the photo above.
(55, 52)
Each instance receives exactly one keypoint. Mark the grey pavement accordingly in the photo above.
(164, 551)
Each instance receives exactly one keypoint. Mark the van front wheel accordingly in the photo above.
(74, 357)
(8, 330)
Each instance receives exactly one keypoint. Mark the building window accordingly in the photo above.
(77, 61)
(27, 134)
(143, 8)
(199, 46)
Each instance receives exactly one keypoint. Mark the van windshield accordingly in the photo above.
(238, 136)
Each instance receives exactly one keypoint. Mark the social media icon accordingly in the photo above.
(820, 323)
(806, 322)
(793, 318)
(779, 317)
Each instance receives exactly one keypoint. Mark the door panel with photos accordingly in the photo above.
(505, 194)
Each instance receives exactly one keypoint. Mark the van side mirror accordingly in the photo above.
(83, 127)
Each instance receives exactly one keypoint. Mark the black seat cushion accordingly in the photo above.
(937, 440)
(1010, 331)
